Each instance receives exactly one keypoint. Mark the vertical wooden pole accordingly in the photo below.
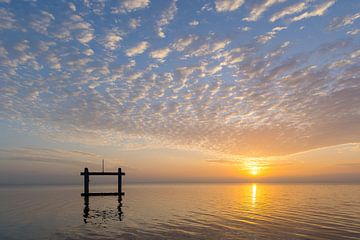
(86, 182)
(119, 182)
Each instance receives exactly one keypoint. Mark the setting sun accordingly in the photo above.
(253, 169)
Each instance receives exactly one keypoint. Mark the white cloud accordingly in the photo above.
(134, 23)
(85, 37)
(259, 9)
(165, 18)
(318, 11)
(41, 22)
(88, 52)
(341, 22)
(112, 40)
(194, 23)
(228, 5)
(353, 32)
(54, 61)
(182, 43)
(211, 93)
(245, 29)
(160, 53)
(269, 35)
(7, 19)
(138, 49)
(22, 46)
(356, 54)
(220, 45)
(207, 48)
(72, 6)
(298, 7)
(131, 5)
(207, 7)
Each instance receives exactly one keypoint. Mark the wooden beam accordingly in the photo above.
(103, 173)
(86, 181)
(119, 181)
(103, 194)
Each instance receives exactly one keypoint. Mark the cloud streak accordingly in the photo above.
(257, 11)
(318, 11)
(228, 5)
(165, 18)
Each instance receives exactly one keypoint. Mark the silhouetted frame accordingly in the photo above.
(87, 175)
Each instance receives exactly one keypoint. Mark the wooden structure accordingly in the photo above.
(87, 175)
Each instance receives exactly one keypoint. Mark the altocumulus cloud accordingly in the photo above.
(135, 74)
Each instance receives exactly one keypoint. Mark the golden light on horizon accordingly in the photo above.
(254, 170)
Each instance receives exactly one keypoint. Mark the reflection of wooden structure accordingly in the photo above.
(87, 174)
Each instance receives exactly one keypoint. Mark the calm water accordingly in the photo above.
(203, 211)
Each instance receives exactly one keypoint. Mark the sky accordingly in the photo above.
(231, 90)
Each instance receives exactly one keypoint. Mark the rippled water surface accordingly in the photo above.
(189, 211)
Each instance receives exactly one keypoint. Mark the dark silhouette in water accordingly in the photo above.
(87, 194)
(87, 174)
(105, 214)
(86, 209)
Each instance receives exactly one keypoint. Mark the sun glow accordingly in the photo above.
(254, 170)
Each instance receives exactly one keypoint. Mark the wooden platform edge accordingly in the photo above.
(103, 173)
(103, 194)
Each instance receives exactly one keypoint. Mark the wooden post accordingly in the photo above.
(119, 181)
(86, 181)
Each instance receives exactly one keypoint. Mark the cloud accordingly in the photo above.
(219, 90)
(44, 155)
(7, 19)
(137, 49)
(344, 21)
(160, 53)
(72, 6)
(259, 9)
(131, 5)
(112, 39)
(75, 27)
(223, 161)
(182, 43)
(290, 10)
(318, 11)
(245, 29)
(134, 23)
(210, 48)
(165, 18)
(353, 32)
(42, 22)
(54, 61)
(85, 37)
(194, 23)
(88, 52)
(269, 35)
(228, 5)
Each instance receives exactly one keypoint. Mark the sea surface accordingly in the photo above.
(183, 211)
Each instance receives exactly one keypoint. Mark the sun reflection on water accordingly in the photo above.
(253, 194)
